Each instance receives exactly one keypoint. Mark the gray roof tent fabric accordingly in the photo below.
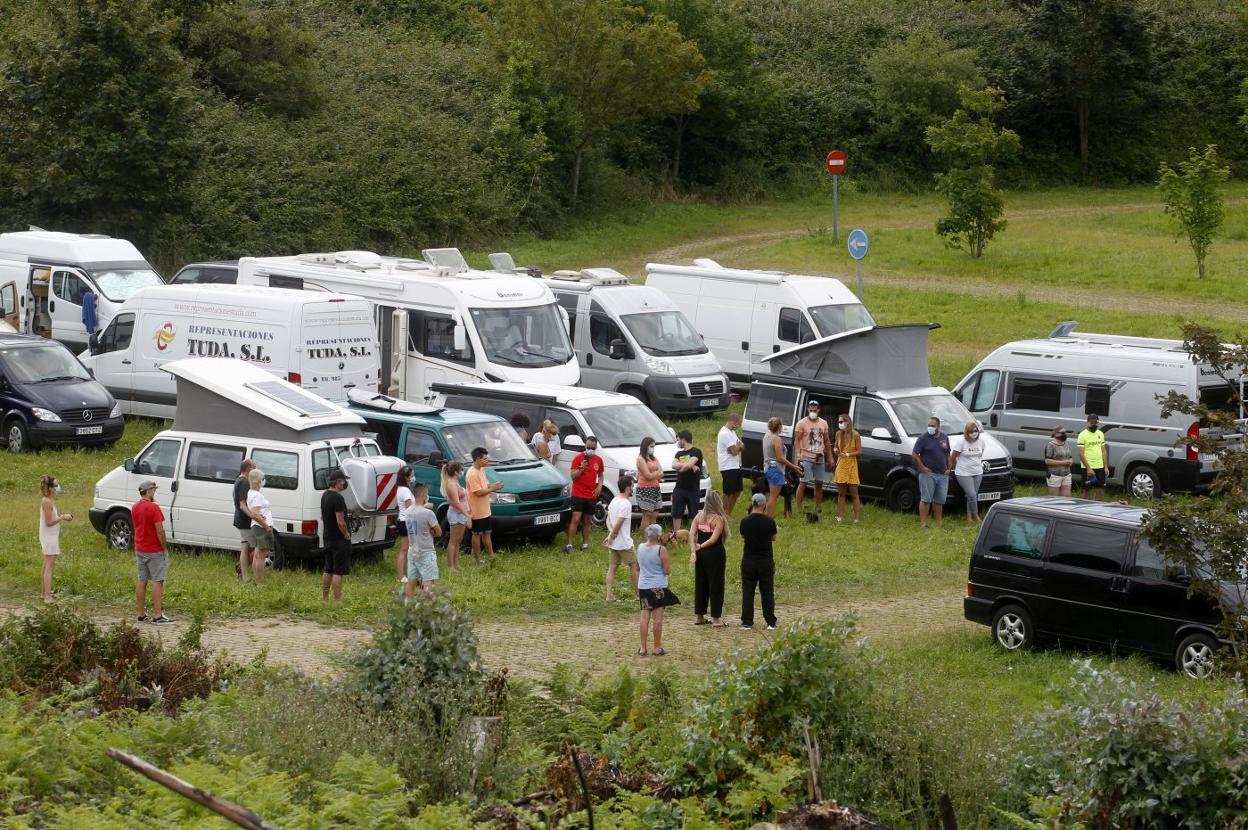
(202, 410)
(881, 357)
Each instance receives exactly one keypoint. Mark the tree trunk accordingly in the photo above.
(576, 174)
(1200, 267)
(680, 140)
(1083, 134)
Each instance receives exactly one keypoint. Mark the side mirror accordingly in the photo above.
(436, 459)
(672, 432)
(1178, 576)
(619, 350)
(128, 464)
(459, 336)
(882, 434)
(574, 442)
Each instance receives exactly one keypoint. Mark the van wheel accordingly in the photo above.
(1011, 628)
(599, 517)
(1142, 482)
(119, 531)
(1195, 656)
(903, 495)
(17, 436)
(638, 393)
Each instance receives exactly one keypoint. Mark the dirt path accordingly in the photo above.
(598, 644)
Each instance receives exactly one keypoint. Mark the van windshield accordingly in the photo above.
(498, 437)
(835, 319)
(117, 285)
(914, 413)
(626, 425)
(664, 333)
(532, 337)
(42, 364)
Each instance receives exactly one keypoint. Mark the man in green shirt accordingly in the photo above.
(1094, 456)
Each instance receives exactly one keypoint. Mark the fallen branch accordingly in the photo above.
(226, 809)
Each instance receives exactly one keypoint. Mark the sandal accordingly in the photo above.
(701, 622)
(641, 652)
(659, 652)
(719, 625)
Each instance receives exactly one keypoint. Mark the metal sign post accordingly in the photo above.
(858, 244)
(836, 166)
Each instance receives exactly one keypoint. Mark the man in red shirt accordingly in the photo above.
(587, 470)
(151, 552)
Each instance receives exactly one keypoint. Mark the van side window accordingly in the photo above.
(418, 446)
(602, 330)
(869, 414)
(8, 299)
(434, 335)
(793, 327)
(489, 406)
(161, 459)
(68, 287)
(1097, 400)
(324, 461)
(281, 469)
(767, 401)
(1017, 535)
(981, 393)
(568, 425)
(278, 281)
(117, 336)
(1148, 563)
(186, 276)
(569, 302)
(214, 462)
(1032, 393)
(1084, 546)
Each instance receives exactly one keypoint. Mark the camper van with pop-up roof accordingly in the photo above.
(229, 410)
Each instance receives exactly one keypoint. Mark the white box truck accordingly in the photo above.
(436, 318)
(325, 343)
(45, 277)
(744, 316)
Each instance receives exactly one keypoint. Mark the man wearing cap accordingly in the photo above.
(812, 438)
(151, 552)
(335, 537)
(1094, 458)
(758, 531)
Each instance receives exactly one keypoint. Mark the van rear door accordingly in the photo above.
(766, 401)
(336, 348)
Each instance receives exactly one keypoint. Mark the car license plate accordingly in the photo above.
(708, 402)
(552, 519)
(989, 496)
(89, 430)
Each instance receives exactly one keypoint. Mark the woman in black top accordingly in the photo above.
(706, 552)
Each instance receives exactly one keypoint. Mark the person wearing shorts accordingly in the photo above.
(620, 536)
(812, 441)
(687, 494)
(1058, 460)
(479, 491)
(456, 511)
(647, 494)
(586, 472)
(151, 553)
(931, 457)
(242, 519)
(653, 593)
(335, 537)
(422, 529)
(728, 448)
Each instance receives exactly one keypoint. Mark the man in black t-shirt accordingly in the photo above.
(758, 568)
(687, 493)
(242, 520)
(335, 536)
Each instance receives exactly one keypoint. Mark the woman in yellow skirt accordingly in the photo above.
(848, 447)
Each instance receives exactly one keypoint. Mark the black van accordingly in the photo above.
(1077, 570)
(48, 397)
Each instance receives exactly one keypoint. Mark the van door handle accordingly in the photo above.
(1020, 445)
(745, 345)
(775, 348)
(589, 359)
(52, 305)
(1118, 584)
(173, 488)
(992, 420)
(125, 363)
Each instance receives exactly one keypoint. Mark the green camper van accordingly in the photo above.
(534, 499)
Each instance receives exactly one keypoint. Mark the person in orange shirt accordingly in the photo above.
(479, 491)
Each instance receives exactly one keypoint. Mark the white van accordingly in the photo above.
(44, 276)
(437, 319)
(1026, 388)
(229, 410)
(744, 316)
(325, 343)
(633, 339)
(619, 422)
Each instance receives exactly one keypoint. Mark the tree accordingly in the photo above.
(970, 143)
(1193, 200)
(1207, 538)
(603, 64)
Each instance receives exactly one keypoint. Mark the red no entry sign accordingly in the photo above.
(836, 162)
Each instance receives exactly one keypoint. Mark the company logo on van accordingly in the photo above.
(503, 295)
(164, 336)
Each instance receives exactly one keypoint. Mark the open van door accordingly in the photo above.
(65, 307)
(8, 307)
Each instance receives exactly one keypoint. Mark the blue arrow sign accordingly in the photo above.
(857, 243)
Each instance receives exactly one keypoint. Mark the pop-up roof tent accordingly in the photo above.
(231, 397)
(866, 359)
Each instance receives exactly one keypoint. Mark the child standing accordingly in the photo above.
(654, 567)
(50, 530)
(422, 529)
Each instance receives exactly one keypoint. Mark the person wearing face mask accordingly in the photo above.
(967, 459)
(262, 524)
(587, 469)
(649, 476)
(931, 457)
(848, 449)
(1094, 457)
(1057, 460)
(50, 530)
(812, 441)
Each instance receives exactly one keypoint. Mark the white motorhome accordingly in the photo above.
(229, 410)
(437, 319)
(633, 339)
(1026, 388)
(744, 316)
(325, 343)
(45, 276)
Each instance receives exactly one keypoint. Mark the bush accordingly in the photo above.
(1115, 754)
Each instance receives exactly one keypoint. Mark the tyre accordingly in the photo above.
(903, 495)
(638, 393)
(119, 530)
(1195, 656)
(17, 436)
(1142, 482)
(600, 512)
(1012, 628)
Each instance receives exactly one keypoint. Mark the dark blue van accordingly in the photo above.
(47, 397)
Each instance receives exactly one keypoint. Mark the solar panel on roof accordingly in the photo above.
(293, 398)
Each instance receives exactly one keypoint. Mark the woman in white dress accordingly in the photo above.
(50, 530)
